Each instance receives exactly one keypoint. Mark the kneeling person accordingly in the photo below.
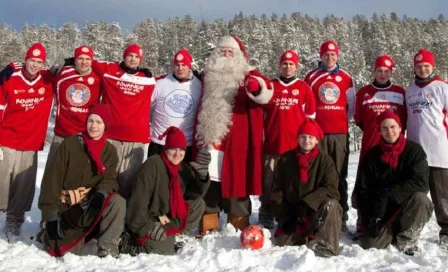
(167, 197)
(305, 195)
(393, 183)
(77, 197)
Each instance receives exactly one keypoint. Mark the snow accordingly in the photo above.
(222, 251)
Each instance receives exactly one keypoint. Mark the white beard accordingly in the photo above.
(222, 79)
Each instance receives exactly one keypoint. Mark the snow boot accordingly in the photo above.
(209, 222)
(265, 217)
(344, 226)
(239, 222)
(443, 242)
(13, 225)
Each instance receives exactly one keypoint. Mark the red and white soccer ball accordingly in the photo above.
(252, 237)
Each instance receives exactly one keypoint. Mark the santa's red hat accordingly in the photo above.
(175, 138)
(183, 56)
(310, 127)
(291, 56)
(103, 111)
(133, 48)
(329, 46)
(36, 51)
(83, 50)
(424, 55)
(387, 114)
(233, 42)
(384, 61)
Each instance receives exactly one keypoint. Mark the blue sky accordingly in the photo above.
(129, 12)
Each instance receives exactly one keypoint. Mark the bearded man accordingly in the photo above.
(230, 126)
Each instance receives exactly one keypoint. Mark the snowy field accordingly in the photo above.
(222, 251)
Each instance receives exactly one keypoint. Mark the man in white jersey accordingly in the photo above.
(427, 104)
(174, 102)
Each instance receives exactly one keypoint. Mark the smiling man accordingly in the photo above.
(25, 103)
(427, 105)
(392, 188)
(335, 92)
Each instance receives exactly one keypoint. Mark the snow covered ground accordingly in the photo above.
(222, 251)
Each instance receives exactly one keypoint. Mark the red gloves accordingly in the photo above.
(252, 85)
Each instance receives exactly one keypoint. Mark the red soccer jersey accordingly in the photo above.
(289, 106)
(335, 97)
(371, 101)
(25, 108)
(75, 93)
(129, 96)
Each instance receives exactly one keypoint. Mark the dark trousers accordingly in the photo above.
(155, 148)
(438, 185)
(234, 206)
(336, 145)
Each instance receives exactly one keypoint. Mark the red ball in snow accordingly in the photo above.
(252, 237)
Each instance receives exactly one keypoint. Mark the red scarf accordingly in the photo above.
(304, 162)
(391, 152)
(94, 148)
(178, 206)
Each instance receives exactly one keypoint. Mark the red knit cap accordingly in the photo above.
(329, 46)
(175, 138)
(183, 56)
(103, 111)
(387, 114)
(83, 50)
(291, 56)
(424, 55)
(36, 51)
(133, 48)
(384, 61)
(310, 127)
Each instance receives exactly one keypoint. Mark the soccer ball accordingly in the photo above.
(252, 237)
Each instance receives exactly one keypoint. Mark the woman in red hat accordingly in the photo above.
(167, 197)
(78, 191)
(305, 192)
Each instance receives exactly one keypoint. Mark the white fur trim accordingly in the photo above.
(228, 41)
(265, 94)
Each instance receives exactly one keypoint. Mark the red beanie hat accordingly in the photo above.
(291, 56)
(103, 111)
(183, 56)
(384, 61)
(329, 46)
(233, 42)
(387, 114)
(310, 127)
(83, 50)
(133, 48)
(424, 55)
(37, 51)
(175, 138)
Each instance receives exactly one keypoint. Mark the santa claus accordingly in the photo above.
(230, 127)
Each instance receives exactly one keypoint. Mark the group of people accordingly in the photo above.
(216, 138)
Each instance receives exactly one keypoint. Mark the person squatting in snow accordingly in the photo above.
(427, 106)
(78, 196)
(26, 95)
(230, 124)
(174, 102)
(335, 93)
(392, 188)
(305, 195)
(167, 197)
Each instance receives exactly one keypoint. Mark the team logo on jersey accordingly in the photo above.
(329, 93)
(429, 96)
(90, 80)
(78, 94)
(178, 104)
(36, 52)
(31, 90)
(41, 91)
(338, 79)
(295, 92)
